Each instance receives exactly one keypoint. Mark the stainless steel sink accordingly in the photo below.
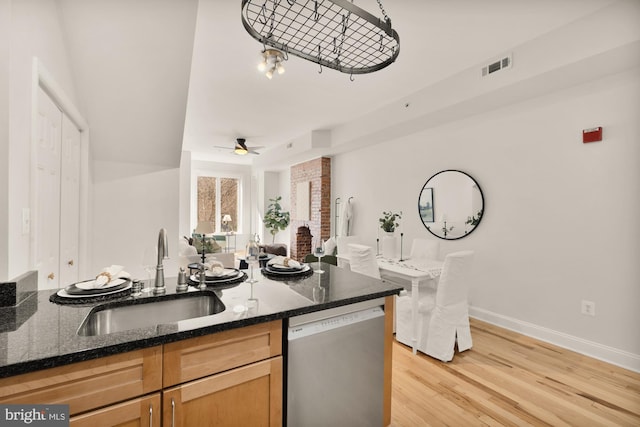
(126, 317)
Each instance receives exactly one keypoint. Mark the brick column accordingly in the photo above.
(303, 242)
(318, 172)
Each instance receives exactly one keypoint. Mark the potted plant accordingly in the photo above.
(388, 222)
(275, 219)
(474, 220)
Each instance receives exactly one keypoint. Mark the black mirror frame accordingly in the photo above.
(428, 227)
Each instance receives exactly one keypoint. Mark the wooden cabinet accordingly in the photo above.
(209, 354)
(142, 412)
(91, 384)
(230, 378)
(247, 396)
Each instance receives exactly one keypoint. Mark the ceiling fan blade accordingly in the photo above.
(240, 148)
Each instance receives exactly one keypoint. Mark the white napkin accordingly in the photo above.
(215, 267)
(109, 274)
(281, 260)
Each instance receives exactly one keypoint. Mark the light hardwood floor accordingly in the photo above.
(510, 379)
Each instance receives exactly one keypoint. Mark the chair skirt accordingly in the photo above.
(447, 325)
(439, 328)
(404, 321)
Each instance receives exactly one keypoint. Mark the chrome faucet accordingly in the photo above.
(163, 253)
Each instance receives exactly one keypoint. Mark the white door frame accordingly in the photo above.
(41, 78)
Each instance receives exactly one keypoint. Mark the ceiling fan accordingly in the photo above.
(241, 148)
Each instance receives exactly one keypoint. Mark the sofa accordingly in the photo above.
(275, 249)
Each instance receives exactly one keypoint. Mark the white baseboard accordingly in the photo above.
(605, 353)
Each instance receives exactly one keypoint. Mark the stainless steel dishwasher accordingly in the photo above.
(335, 364)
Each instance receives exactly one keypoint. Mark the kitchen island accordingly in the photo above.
(48, 337)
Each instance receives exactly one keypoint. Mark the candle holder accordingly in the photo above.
(446, 230)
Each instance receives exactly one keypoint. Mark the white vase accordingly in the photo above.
(389, 245)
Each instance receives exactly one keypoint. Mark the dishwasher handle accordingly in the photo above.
(324, 325)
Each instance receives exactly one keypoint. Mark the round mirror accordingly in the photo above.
(451, 204)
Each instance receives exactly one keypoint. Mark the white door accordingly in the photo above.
(69, 202)
(57, 208)
(47, 209)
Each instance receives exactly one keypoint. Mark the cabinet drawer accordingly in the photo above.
(90, 384)
(144, 411)
(198, 357)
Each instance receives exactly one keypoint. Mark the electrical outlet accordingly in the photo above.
(588, 308)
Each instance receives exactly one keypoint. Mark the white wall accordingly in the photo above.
(5, 38)
(185, 194)
(560, 222)
(548, 239)
(34, 32)
(268, 189)
(132, 202)
(275, 183)
(284, 190)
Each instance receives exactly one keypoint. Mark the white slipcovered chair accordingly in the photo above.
(443, 315)
(342, 246)
(424, 249)
(362, 260)
(187, 254)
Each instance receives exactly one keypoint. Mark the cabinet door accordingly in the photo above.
(141, 412)
(247, 396)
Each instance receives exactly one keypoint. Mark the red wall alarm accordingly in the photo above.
(592, 135)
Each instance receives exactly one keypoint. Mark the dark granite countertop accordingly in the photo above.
(39, 334)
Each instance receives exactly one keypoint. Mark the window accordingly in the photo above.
(218, 197)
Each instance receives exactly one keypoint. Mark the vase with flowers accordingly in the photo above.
(388, 224)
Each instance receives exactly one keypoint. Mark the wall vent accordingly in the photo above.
(498, 65)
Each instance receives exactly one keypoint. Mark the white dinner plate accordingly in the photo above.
(91, 284)
(217, 280)
(282, 267)
(304, 268)
(227, 272)
(63, 293)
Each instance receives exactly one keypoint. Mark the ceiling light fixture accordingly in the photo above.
(272, 60)
(241, 148)
(332, 33)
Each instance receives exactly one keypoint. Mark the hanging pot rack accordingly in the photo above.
(332, 33)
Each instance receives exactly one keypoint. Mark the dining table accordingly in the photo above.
(410, 271)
